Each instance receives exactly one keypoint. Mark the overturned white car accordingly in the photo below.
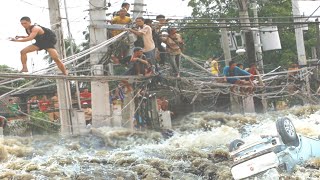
(281, 152)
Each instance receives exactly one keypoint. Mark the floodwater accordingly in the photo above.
(197, 149)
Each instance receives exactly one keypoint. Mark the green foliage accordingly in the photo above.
(203, 41)
(7, 69)
(17, 128)
(41, 124)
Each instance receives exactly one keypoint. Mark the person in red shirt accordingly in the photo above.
(256, 78)
(85, 96)
(44, 104)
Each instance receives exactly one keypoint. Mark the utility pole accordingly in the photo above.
(63, 87)
(137, 9)
(129, 106)
(300, 42)
(246, 28)
(299, 34)
(318, 38)
(256, 36)
(72, 52)
(56, 26)
(225, 44)
(99, 90)
(234, 100)
(247, 102)
(258, 49)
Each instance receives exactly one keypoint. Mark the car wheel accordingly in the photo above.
(287, 132)
(235, 144)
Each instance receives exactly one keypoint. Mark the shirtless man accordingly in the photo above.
(45, 39)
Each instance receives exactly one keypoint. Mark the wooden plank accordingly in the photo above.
(69, 77)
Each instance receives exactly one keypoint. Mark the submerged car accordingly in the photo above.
(281, 152)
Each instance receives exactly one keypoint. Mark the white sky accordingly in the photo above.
(38, 12)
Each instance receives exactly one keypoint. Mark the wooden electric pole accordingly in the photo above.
(99, 89)
(63, 87)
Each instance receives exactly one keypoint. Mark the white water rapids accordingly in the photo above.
(198, 149)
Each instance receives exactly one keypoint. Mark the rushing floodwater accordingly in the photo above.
(197, 150)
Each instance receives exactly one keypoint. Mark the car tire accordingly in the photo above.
(235, 144)
(287, 132)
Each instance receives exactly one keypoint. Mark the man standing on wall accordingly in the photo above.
(45, 39)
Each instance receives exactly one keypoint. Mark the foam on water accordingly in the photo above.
(197, 150)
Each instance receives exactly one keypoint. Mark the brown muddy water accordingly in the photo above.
(198, 149)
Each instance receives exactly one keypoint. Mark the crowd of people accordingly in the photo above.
(245, 79)
(34, 104)
(158, 45)
(48, 105)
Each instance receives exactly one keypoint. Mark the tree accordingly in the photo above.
(203, 42)
(8, 86)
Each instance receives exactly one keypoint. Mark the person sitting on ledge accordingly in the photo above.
(136, 63)
(230, 75)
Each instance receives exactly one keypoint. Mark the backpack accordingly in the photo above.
(49, 34)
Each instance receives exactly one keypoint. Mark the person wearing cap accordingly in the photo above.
(174, 44)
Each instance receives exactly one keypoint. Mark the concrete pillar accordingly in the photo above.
(116, 114)
(64, 96)
(225, 43)
(302, 59)
(1, 132)
(138, 8)
(99, 90)
(100, 104)
(56, 25)
(234, 100)
(128, 112)
(79, 122)
(165, 119)
(236, 103)
(248, 104)
(154, 113)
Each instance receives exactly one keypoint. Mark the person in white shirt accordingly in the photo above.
(145, 32)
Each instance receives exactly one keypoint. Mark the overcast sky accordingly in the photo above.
(38, 12)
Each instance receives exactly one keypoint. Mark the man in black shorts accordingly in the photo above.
(45, 39)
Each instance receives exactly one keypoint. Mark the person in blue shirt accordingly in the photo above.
(232, 72)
